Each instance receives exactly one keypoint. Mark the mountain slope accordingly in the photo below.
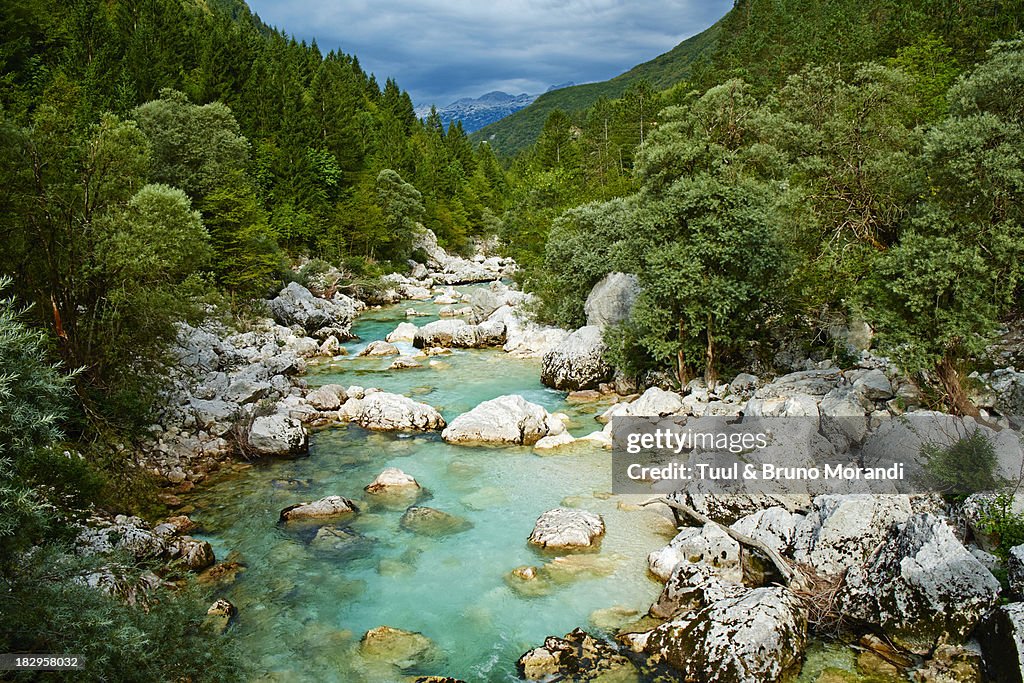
(475, 113)
(513, 133)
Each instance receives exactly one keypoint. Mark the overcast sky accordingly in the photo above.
(443, 50)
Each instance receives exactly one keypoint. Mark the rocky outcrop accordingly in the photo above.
(166, 542)
(577, 362)
(459, 334)
(277, 434)
(331, 506)
(449, 269)
(755, 636)
(506, 419)
(922, 586)
(383, 411)
(566, 528)
(577, 657)
(296, 305)
(611, 300)
(709, 545)
(843, 530)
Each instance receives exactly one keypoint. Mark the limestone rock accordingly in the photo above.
(332, 506)
(576, 657)
(405, 332)
(396, 646)
(380, 348)
(611, 300)
(757, 636)
(296, 305)
(922, 586)
(277, 434)
(709, 545)
(390, 480)
(327, 397)
(506, 419)
(432, 522)
(577, 362)
(384, 411)
(843, 530)
(567, 528)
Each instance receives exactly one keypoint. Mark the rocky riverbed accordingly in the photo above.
(424, 489)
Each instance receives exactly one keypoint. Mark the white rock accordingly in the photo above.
(330, 506)
(757, 636)
(611, 300)
(567, 528)
(380, 348)
(709, 544)
(405, 332)
(392, 479)
(506, 419)
(841, 531)
(554, 441)
(384, 411)
(577, 362)
(277, 434)
(922, 586)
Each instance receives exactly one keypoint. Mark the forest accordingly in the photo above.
(170, 160)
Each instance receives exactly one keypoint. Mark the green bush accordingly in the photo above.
(964, 467)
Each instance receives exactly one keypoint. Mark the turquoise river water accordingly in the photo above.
(302, 611)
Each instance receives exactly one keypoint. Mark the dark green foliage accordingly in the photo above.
(518, 131)
(47, 608)
(964, 467)
(999, 520)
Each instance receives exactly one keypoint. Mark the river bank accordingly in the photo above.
(445, 385)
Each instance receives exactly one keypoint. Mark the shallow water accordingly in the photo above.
(302, 610)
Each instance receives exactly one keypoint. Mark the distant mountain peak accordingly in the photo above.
(477, 112)
(567, 84)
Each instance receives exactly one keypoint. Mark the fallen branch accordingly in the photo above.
(794, 577)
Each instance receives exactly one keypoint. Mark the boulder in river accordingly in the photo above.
(566, 528)
(380, 348)
(405, 332)
(431, 522)
(507, 419)
(331, 506)
(577, 657)
(392, 480)
(577, 362)
(395, 646)
(384, 411)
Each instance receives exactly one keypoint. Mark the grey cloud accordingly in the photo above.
(442, 50)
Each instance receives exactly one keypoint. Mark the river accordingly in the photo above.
(303, 610)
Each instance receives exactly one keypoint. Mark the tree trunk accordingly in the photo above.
(710, 375)
(952, 385)
(681, 373)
